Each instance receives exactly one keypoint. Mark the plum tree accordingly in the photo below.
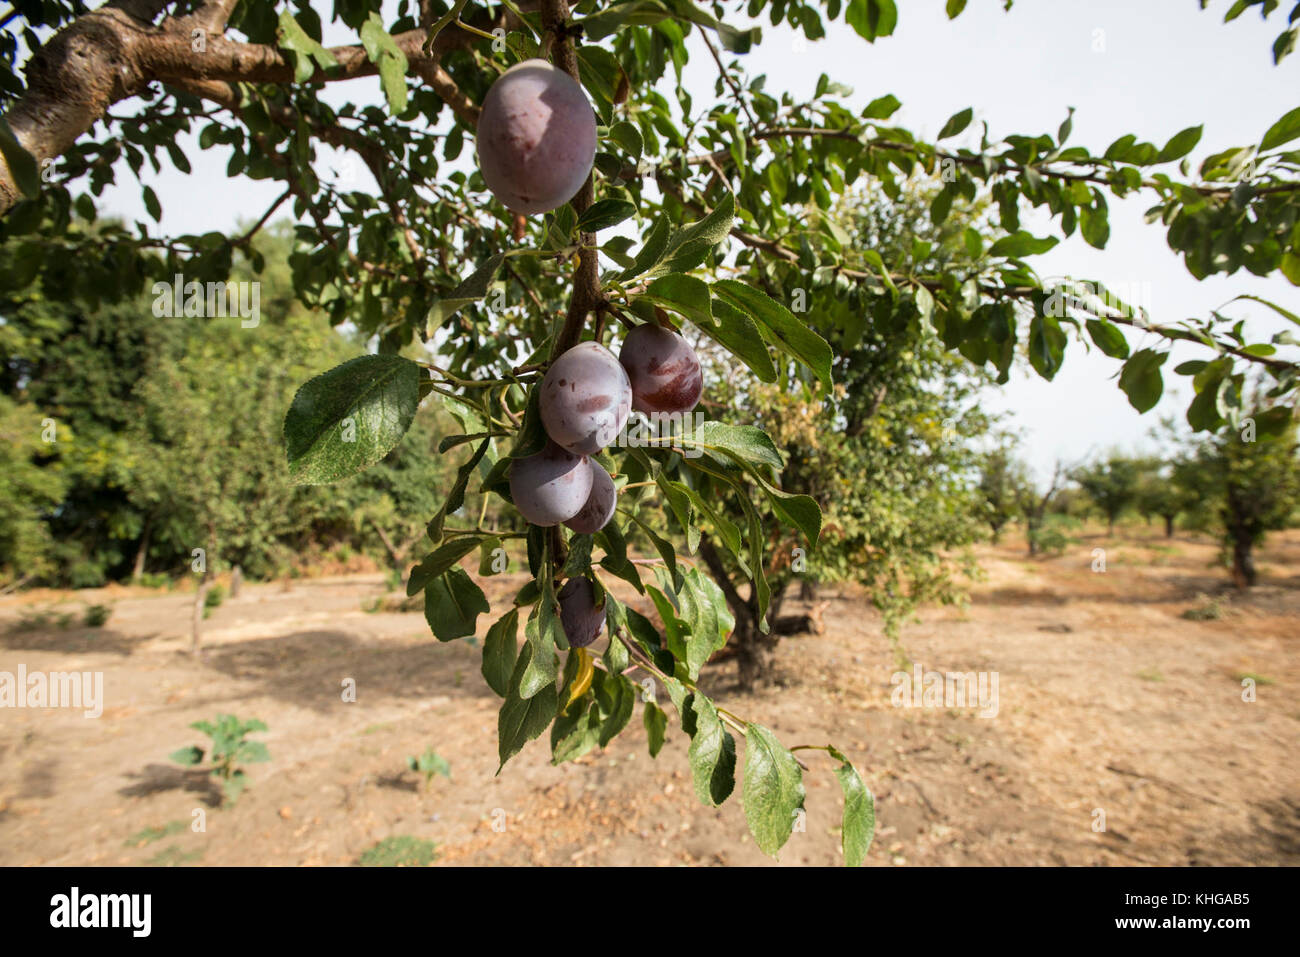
(551, 486)
(585, 399)
(731, 217)
(600, 504)
(663, 369)
(583, 620)
(536, 137)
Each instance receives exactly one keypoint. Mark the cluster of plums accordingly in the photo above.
(536, 143)
(586, 397)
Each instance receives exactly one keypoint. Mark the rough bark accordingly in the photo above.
(137, 570)
(1169, 526)
(1244, 573)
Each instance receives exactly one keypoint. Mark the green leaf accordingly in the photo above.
(452, 604)
(712, 753)
(859, 822)
(871, 18)
(441, 560)
(473, 289)
(306, 53)
(22, 164)
(1046, 346)
(628, 137)
(748, 443)
(686, 248)
(1180, 144)
(736, 332)
(605, 213)
(349, 418)
(788, 333)
(956, 123)
(500, 648)
(685, 295)
(1141, 380)
(618, 697)
(882, 107)
(656, 727)
(541, 637)
(1109, 338)
(1283, 131)
(954, 8)
(773, 789)
(187, 756)
(523, 719)
(1021, 244)
(383, 51)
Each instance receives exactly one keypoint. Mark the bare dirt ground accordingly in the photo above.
(1110, 704)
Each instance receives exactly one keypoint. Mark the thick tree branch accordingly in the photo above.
(114, 52)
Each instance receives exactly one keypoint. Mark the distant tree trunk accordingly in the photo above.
(137, 571)
(807, 590)
(1244, 574)
(200, 598)
(753, 649)
(1169, 526)
(1110, 526)
(997, 532)
(201, 595)
(236, 579)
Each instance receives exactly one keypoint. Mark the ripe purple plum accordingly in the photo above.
(581, 619)
(595, 515)
(536, 137)
(663, 369)
(586, 399)
(551, 486)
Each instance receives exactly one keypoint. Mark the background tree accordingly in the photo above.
(1003, 485)
(1247, 487)
(1111, 484)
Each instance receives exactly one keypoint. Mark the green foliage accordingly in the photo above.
(744, 213)
(230, 749)
(1113, 485)
(399, 851)
(1054, 536)
(428, 763)
(96, 616)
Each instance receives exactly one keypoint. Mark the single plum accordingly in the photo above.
(581, 619)
(586, 399)
(536, 137)
(551, 486)
(599, 509)
(663, 369)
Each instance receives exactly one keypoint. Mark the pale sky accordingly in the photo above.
(1149, 67)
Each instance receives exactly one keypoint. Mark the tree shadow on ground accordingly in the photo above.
(156, 778)
(1273, 840)
(76, 641)
(310, 668)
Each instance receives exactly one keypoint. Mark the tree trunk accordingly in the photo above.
(1110, 526)
(807, 590)
(236, 579)
(200, 597)
(1244, 574)
(997, 533)
(1169, 526)
(138, 569)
